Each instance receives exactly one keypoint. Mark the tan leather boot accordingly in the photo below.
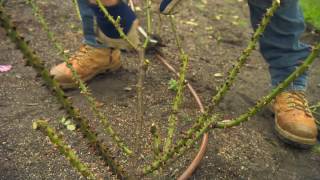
(294, 122)
(88, 62)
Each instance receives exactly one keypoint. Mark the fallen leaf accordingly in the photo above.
(192, 22)
(138, 8)
(68, 122)
(34, 125)
(218, 17)
(5, 68)
(99, 104)
(128, 89)
(218, 75)
(71, 127)
(63, 120)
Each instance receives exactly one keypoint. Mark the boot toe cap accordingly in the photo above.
(300, 126)
(302, 130)
(60, 73)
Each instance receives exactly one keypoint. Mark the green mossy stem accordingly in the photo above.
(82, 86)
(38, 65)
(69, 153)
(140, 103)
(180, 89)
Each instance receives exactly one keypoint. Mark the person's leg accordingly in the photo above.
(93, 57)
(282, 49)
(129, 23)
(87, 18)
(280, 44)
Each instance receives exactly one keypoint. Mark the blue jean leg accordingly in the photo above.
(88, 18)
(280, 44)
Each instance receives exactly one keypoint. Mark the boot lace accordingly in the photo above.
(297, 100)
(80, 55)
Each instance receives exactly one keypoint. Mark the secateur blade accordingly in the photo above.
(154, 40)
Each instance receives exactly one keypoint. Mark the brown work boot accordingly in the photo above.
(294, 122)
(88, 62)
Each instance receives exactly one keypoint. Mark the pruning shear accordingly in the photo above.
(152, 40)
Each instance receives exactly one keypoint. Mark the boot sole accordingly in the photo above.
(73, 85)
(170, 7)
(292, 139)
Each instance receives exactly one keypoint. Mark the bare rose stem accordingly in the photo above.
(180, 89)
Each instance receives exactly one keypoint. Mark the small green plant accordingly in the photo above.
(68, 124)
(173, 85)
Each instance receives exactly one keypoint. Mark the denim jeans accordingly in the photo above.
(88, 20)
(279, 45)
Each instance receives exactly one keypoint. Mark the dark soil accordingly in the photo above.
(214, 33)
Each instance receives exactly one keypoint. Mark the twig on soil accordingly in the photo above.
(82, 86)
(64, 149)
(38, 65)
(211, 122)
(181, 84)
